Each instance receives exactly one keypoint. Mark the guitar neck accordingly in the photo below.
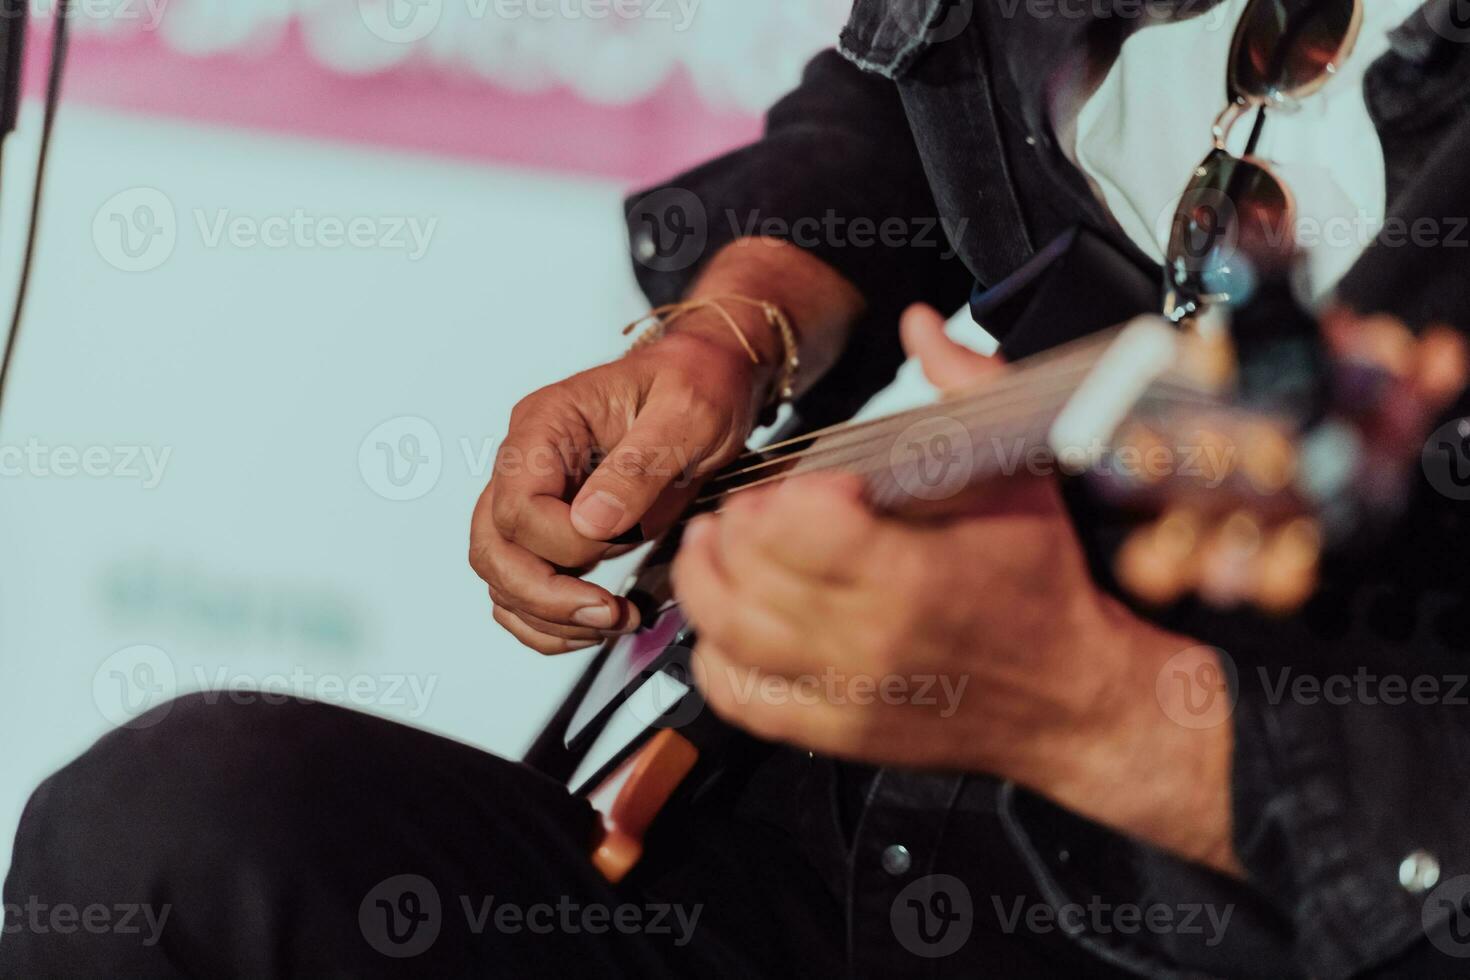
(933, 452)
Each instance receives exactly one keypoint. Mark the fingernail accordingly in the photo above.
(601, 511)
(594, 617)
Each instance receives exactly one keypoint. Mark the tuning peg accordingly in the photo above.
(1229, 560)
(1156, 562)
(1218, 457)
(1145, 445)
(1289, 566)
(1268, 457)
(1379, 340)
(1441, 365)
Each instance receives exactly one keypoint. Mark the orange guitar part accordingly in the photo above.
(632, 796)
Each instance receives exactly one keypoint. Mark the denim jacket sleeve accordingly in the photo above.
(836, 173)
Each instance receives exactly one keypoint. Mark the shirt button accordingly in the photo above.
(644, 246)
(1419, 872)
(896, 859)
(1030, 140)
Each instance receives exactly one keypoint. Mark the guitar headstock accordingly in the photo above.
(1247, 495)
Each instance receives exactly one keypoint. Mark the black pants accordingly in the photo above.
(224, 839)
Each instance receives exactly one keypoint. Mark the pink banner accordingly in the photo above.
(282, 85)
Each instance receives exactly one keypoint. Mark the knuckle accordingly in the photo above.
(505, 515)
(638, 462)
(530, 405)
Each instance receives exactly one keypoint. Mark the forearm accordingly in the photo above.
(1157, 765)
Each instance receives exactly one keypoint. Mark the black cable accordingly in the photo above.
(57, 69)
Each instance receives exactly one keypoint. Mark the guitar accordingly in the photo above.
(1243, 469)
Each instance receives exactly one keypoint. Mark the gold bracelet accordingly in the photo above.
(663, 318)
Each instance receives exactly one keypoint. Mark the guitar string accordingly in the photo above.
(972, 412)
(1026, 375)
(862, 453)
(995, 391)
(857, 452)
(1027, 367)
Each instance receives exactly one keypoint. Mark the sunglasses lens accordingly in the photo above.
(1232, 224)
(1285, 47)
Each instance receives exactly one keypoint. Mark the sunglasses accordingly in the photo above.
(1234, 221)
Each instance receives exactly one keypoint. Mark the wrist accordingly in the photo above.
(1146, 769)
(723, 367)
(736, 334)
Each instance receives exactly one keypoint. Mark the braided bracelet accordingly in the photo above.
(663, 318)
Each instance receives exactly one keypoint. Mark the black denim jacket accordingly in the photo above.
(1347, 810)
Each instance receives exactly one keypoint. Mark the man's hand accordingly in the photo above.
(671, 412)
(975, 642)
(623, 447)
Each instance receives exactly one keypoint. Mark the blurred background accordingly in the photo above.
(298, 259)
